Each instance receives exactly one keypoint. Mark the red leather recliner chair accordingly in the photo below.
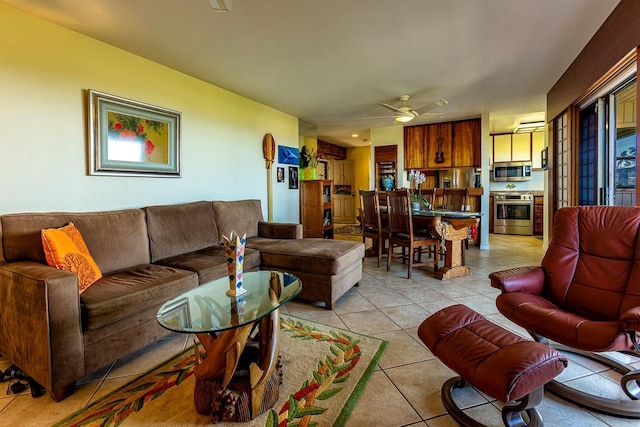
(585, 296)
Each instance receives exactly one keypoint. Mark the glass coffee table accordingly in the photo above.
(238, 377)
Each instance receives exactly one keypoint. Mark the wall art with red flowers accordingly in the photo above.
(132, 138)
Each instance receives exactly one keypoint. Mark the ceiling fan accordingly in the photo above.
(405, 112)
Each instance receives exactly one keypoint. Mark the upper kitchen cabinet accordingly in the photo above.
(439, 146)
(415, 154)
(442, 145)
(466, 144)
(502, 148)
(521, 147)
(518, 147)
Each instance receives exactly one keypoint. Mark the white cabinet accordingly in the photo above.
(518, 147)
(521, 147)
(502, 148)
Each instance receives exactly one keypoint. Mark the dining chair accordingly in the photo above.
(401, 233)
(455, 199)
(371, 221)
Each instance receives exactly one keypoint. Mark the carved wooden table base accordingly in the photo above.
(239, 378)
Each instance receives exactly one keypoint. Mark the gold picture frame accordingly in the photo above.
(132, 138)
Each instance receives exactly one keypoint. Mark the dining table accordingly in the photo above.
(452, 229)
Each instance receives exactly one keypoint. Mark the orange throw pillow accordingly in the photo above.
(65, 249)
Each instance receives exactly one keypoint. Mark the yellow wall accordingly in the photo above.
(45, 71)
(361, 157)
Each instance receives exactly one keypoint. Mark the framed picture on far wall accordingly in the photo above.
(293, 177)
(280, 174)
(132, 138)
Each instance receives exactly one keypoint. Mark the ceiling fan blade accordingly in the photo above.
(375, 117)
(392, 108)
(431, 106)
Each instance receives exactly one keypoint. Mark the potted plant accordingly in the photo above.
(416, 178)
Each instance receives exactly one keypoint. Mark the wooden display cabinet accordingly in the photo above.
(316, 208)
(386, 159)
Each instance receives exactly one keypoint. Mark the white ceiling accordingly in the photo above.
(331, 62)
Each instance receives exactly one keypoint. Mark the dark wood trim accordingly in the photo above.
(550, 206)
(618, 35)
(637, 142)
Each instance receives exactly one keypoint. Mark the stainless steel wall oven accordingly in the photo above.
(513, 213)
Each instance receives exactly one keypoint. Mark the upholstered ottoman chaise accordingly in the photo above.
(493, 360)
(327, 268)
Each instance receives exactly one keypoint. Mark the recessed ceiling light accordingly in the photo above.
(354, 135)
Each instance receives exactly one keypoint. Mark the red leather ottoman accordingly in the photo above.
(493, 360)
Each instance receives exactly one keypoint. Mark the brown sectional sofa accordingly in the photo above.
(147, 256)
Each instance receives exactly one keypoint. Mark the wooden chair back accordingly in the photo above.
(399, 212)
(370, 211)
(455, 199)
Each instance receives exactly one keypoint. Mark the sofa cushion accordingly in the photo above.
(122, 294)
(65, 249)
(179, 229)
(241, 216)
(116, 239)
(313, 255)
(211, 263)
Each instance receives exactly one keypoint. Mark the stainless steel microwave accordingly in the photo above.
(512, 171)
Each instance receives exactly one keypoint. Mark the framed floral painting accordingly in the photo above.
(132, 138)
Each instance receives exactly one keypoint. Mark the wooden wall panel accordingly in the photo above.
(618, 35)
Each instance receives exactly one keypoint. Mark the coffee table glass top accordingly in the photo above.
(207, 308)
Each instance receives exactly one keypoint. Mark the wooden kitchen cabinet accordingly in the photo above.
(466, 144)
(316, 208)
(490, 213)
(439, 145)
(415, 154)
(538, 215)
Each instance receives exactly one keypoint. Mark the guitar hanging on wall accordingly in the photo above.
(439, 154)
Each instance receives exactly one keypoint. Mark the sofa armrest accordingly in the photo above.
(279, 230)
(528, 280)
(40, 324)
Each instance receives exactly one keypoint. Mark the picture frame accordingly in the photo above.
(288, 155)
(293, 177)
(280, 174)
(544, 158)
(132, 138)
(177, 314)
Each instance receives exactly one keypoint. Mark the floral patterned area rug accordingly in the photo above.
(348, 229)
(324, 371)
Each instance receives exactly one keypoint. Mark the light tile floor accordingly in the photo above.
(405, 388)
